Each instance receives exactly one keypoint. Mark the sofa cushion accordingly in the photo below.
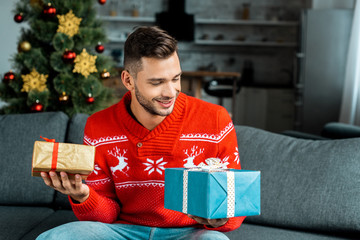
(259, 232)
(55, 219)
(305, 184)
(16, 221)
(18, 132)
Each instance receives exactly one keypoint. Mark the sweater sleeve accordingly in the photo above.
(96, 208)
(101, 205)
(228, 153)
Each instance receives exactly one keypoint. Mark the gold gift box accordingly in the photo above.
(71, 158)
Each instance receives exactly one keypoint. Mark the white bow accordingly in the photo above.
(213, 163)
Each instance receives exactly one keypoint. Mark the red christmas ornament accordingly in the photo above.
(99, 48)
(102, 2)
(90, 99)
(49, 11)
(37, 107)
(69, 56)
(19, 17)
(8, 77)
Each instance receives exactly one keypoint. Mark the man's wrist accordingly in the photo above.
(76, 201)
(80, 199)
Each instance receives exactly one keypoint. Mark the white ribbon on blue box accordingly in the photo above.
(211, 193)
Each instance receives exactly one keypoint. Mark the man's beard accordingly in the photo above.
(149, 105)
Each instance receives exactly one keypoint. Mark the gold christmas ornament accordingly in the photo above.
(85, 63)
(105, 74)
(69, 24)
(64, 97)
(24, 46)
(34, 81)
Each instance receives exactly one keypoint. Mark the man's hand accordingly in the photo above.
(74, 188)
(214, 223)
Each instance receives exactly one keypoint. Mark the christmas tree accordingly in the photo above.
(58, 65)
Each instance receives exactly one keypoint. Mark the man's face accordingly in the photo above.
(157, 85)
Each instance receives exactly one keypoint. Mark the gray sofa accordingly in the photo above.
(310, 189)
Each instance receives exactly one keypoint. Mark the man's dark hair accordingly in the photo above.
(151, 42)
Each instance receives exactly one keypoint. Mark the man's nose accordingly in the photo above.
(169, 90)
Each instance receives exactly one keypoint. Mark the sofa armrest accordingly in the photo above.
(336, 130)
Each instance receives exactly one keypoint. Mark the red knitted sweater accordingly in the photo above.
(127, 185)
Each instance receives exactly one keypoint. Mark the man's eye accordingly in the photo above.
(155, 83)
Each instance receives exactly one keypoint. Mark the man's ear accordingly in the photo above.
(127, 80)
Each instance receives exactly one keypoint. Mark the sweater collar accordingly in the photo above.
(137, 130)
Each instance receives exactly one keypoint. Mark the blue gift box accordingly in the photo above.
(213, 194)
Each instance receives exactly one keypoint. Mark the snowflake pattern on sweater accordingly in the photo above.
(155, 166)
(127, 185)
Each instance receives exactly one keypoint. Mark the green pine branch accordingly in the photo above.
(46, 57)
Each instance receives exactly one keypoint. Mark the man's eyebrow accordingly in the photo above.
(155, 79)
(162, 79)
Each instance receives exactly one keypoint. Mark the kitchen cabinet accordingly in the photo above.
(271, 109)
(118, 27)
(216, 32)
(256, 33)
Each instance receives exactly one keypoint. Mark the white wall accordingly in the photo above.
(10, 32)
(333, 3)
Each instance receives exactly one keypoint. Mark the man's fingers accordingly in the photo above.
(217, 222)
(78, 182)
(199, 219)
(65, 181)
(56, 182)
(210, 222)
(46, 179)
(213, 222)
(72, 187)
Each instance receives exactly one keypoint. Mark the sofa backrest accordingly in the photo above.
(305, 184)
(18, 132)
(75, 134)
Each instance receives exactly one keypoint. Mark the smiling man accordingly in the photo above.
(154, 87)
(153, 127)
